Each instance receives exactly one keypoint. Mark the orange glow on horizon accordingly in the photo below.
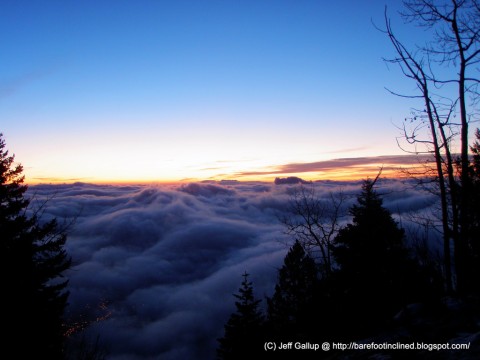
(347, 173)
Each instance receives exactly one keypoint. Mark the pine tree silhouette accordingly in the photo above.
(292, 307)
(473, 230)
(374, 265)
(243, 331)
(32, 261)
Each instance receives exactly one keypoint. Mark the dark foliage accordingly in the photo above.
(292, 308)
(375, 286)
(32, 262)
(376, 274)
(473, 214)
(243, 331)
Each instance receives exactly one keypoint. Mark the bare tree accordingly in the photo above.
(315, 222)
(442, 71)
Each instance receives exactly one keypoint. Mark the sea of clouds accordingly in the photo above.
(157, 265)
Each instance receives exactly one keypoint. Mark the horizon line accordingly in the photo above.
(340, 169)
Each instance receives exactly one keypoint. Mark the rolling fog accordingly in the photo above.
(157, 265)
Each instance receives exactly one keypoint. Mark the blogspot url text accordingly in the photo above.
(327, 346)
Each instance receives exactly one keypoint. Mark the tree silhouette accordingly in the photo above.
(292, 307)
(445, 76)
(32, 261)
(473, 206)
(243, 330)
(375, 271)
(474, 235)
(314, 222)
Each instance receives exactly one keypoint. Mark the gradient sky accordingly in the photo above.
(168, 90)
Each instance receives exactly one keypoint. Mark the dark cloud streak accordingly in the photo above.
(341, 164)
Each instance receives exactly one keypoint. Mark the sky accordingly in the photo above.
(157, 264)
(158, 91)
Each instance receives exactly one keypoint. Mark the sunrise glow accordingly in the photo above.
(169, 92)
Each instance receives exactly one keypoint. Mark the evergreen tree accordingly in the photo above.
(475, 196)
(32, 261)
(373, 237)
(473, 213)
(243, 331)
(375, 272)
(292, 309)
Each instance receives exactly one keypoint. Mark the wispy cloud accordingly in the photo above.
(56, 180)
(348, 150)
(8, 87)
(360, 164)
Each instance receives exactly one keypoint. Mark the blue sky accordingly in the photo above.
(171, 90)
